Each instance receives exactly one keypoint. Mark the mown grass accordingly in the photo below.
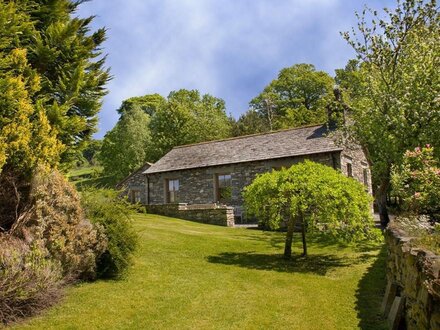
(90, 176)
(193, 276)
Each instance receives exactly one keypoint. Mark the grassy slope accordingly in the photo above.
(192, 276)
(90, 176)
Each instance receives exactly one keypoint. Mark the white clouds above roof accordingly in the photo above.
(228, 48)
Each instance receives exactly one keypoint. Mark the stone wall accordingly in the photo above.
(197, 186)
(205, 213)
(413, 282)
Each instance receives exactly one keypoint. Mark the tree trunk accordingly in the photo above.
(381, 200)
(289, 239)
(303, 234)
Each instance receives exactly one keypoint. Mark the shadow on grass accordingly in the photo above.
(318, 264)
(369, 294)
(277, 240)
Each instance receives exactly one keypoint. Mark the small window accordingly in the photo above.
(349, 170)
(366, 177)
(172, 192)
(224, 188)
(135, 196)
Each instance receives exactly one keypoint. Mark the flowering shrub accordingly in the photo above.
(417, 181)
(55, 218)
(29, 281)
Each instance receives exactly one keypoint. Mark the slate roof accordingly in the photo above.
(273, 145)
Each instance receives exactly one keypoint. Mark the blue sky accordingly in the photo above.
(228, 48)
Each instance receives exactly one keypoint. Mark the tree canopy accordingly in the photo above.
(314, 197)
(396, 105)
(126, 147)
(149, 103)
(188, 117)
(295, 98)
(68, 58)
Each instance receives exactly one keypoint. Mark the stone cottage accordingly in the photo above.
(133, 186)
(204, 181)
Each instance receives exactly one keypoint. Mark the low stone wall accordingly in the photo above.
(205, 213)
(413, 284)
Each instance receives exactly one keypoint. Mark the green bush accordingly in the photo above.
(55, 218)
(29, 281)
(314, 197)
(417, 182)
(105, 208)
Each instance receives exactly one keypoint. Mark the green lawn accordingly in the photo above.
(90, 176)
(193, 276)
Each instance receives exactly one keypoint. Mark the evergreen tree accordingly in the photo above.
(68, 58)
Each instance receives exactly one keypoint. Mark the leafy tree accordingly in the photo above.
(295, 98)
(313, 196)
(92, 150)
(398, 108)
(148, 103)
(349, 79)
(251, 122)
(187, 118)
(417, 182)
(125, 148)
(68, 59)
(26, 136)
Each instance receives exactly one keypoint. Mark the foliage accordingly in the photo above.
(421, 230)
(56, 219)
(26, 136)
(105, 208)
(149, 103)
(296, 98)
(68, 58)
(314, 196)
(186, 118)
(91, 151)
(397, 107)
(29, 281)
(127, 146)
(251, 122)
(417, 181)
(431, 240)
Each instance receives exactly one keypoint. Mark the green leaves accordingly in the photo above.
(126, 147)
(297, 97)
(328, 201)
(186, 118)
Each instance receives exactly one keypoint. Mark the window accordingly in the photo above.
(349, 170)
(172, 190)
(135, 196)
(366, 177)
(224, 188)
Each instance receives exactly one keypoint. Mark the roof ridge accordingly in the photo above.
(247, 136)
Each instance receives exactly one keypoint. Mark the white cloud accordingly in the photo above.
(228, 48)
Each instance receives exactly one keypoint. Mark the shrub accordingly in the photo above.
(417, 181)
(314, 197)
(420, 228)
(55, 217)
(28, 280)
(105, 208)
